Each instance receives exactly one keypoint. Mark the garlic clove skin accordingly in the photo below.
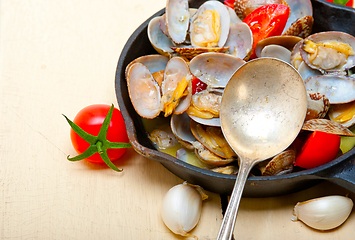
(323, 213)
(181, 208)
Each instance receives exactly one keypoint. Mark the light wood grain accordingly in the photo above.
(57, 57)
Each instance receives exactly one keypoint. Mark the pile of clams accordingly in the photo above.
(208, 45)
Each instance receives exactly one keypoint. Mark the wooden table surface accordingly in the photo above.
(56, 58)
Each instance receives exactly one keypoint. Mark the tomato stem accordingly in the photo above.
(98, 144)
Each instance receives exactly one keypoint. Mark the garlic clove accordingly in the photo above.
(181, 208)
(323, 213)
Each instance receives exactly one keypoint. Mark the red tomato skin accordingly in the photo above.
(319, 148)
(266, 21)
(197, 85)
(90, 120)
(229, 3)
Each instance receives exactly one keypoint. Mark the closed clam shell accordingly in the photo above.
(143, 91)
(298, 10)
(244, 7)
(328, 126)
(177, 19)
(337, 88)
(302, 27)
(317, 105)
(281, 163)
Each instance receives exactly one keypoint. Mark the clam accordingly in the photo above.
(180, 127)
(148, 97)
(317, 105)
(299, 9)
(343, 113)
(337, 88)
(162, 138)
(244, 7)
(160, 42)
(205, 105)
(240, 40)
(302, 27)
(329, 51)
(215, 69)
(208, 157)
(276, 51)
(213, 139)
(280, 164)
(306, 72)
(327, 126)
(287, 42)
(177, 19)
(143, 91)
(209, 26)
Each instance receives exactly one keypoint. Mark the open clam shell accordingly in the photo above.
(215, 69)
(325, 62)
(143, 91)
(240, 40)
(337, 88)
(213, 139)
(343, 113)
(288, 42)
(327, 126)
(180, 126)
(160, 42)
(201, 30)
(177, 19)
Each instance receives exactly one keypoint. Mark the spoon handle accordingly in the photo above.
(230, 216)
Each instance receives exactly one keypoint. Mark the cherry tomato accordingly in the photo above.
(198, 85)
(319, 148)
(266, 21)
(90, 119)
(229, 3)
(349, 3)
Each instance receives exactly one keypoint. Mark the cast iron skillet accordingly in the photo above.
(341, 171)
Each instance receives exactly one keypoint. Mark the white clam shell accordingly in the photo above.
(276, 51)
(215, 69)
(333, 36)
(143, 91)
(224, 17)
(158, 39)
(337, 88)
(240, 40)
(180, 126)
(298, 9)
(177, 19)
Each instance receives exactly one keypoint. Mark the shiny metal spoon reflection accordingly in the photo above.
(262, 111)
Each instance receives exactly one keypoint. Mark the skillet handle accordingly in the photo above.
(342, 174)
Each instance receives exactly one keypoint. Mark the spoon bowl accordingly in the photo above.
(262, 111)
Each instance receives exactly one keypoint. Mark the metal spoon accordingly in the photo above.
(262, 111)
